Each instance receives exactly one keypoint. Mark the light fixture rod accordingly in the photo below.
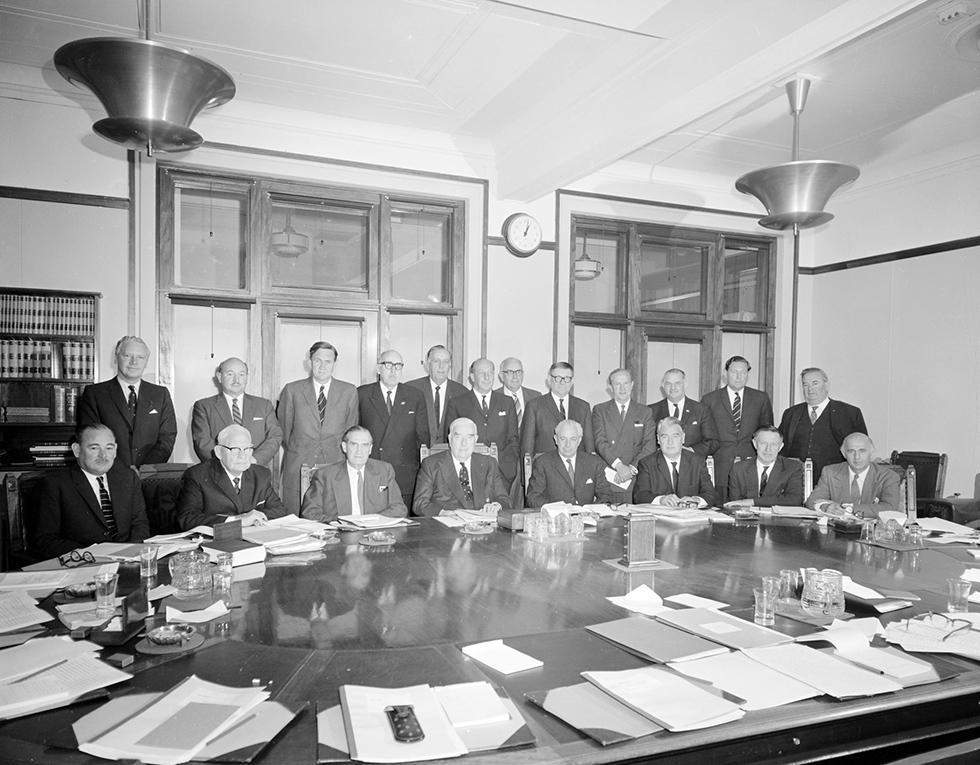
(797, 91)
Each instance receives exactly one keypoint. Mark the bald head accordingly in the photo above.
(512, 374)
(858, 449)
(390, 366)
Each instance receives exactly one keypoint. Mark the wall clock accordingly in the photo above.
(522, 234)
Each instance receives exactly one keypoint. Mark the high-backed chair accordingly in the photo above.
(306, 478)
(161, 487)
(930, 476)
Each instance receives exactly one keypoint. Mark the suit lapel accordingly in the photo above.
(119, 401)
(342, 492)
(223, 482)
(84, 488)
(310, 399)
(223, 410)
(452, 480)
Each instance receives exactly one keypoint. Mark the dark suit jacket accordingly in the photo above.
(307, 441)
(528, 394)
(630, 440)
(207, 495)
(542, 416)
(70, 516)
(700, 431)
(498, 427)
(550, 481)
(438, 486)
(880, 490)
(844, 419)
(329, 494)
(397, 437)
(693, 480)
(450, 389)
(212, 415)
(784, 484)
(147, 440)
(732, 444)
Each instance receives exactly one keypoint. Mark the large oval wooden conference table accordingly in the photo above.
(396, 616)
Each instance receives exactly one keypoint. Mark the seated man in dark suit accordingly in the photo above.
(768, 479)
(856, 487)
(459, 478)
(568, 475)
(358, 485)
(228, 486)
(96, 500)
(672, 475)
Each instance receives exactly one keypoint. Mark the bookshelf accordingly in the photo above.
(48, 354)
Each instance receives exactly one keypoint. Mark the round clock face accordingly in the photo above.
(522, 234)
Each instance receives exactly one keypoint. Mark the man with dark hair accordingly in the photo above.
(140, 414)
(768, 479)
(358, 485)
(738, 412)
(545, 412)
(437, 390)
(233, 406)
(314, 413)
(624, 433)
(700, 432)
(95, 500)
(817, 427)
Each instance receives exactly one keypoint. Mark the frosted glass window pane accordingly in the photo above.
(421, 254)
(598, 351)
(412, 334)
(664, 355)
(295, 336)
(209, 238)
(202, 339)
(670, 277)
(744, 290)
(747, 345)
(599, 295)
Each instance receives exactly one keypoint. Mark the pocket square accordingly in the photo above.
(382, 488)
(153, 411)
(637, 424)
(256, 419)
(588, 482)
(411, 411)
(694, 422)
(501, 414)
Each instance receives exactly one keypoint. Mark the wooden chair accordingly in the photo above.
(160, 485)
(425, 450)
(930, 477)
(306, 477)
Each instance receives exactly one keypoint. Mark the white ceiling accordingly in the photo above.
(562, 88)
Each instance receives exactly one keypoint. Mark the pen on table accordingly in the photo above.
(39, 671)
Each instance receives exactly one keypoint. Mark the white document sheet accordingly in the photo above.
(33, 580)
(467, 704)
(216, 609)
(641, 600)
(41, 653)
(19, 610)
(695, 601)
(61, 682)
(943, 526)
(500, 657)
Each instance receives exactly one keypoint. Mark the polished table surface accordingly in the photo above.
(394, 616)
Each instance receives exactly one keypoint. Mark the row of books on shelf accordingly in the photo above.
(51, 453)
(67, 360)
(63, 408)
(47, 314)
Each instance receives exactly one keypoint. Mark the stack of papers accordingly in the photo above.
(500, 657)
(641, 600)
(36, 580)
(19, 610)
(655, 641)
(370, 521)
(785, 511)
(852, 644)
(468, 704)
(57, 685)
(722, 628)
(935, 635)
(40, 654)
(596, 714)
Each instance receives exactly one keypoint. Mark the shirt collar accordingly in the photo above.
(457, 463)
(316, 386)
(820, 407)
(680, 406)
(231, 478)
(125, 386)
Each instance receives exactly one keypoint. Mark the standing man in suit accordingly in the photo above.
(672, 475)
(858, 488)
(816, 428)
(358, 485)
(624, 433)
(738, 412)
(95, 500)
(769, 479)
(395, 415)
(545, 412)
(228, 486)
(494, 415)
(437, 390)
(512, 378)
(568, 475)
(140, 414)
(459, 478)
(233, 406)
(700, 431)
(314, 413)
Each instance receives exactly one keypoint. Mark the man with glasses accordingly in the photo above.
(233, 406)
(437, 390)
(512, 378)
(460, 479)
(314, 413)
(395, 415)
(673, 476)
(228, 486)
(98, 499)
(545, 412)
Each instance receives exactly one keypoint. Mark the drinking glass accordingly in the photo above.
(105, 593)
(765, 606)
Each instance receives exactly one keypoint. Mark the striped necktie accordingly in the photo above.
(106, 504)
(763, 480)
(813, 415)
(236, 413)
(561, 409)
(321, 404)
(737, 411)
(571, 471)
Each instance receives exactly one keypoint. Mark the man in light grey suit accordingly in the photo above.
(512, 378)
(624, 432)
(357, 485)
(233, 406)
(314, 414)
(459, 478)
(857, 487)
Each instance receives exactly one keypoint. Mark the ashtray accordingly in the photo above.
(83, 590)
(478, 527)
(170, 634)
(378, 538)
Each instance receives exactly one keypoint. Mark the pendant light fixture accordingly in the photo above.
(150, 91)
(585, 268)
(289, 243)
(795, 193)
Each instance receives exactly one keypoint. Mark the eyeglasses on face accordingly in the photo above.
(561, 378)
(391, 366)
(238, 451)
(511, 371)
(75, 558)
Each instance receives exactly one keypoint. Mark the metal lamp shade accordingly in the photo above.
(795, 193)
(151, 91)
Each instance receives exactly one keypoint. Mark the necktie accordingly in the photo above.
(622, 412)
(238, 484)
(389, 402)
(673, 476)
(131, 402)
(321, 404)
(813, 415)
(737, 411)
(236, 413)
(571, 471)
(464, 483)
(561, 409)
(855, 489)
(764, 480)
(360, 491)
(106, 504)
(517, 408)
(677, 414)
(437, 402)
(486, 412)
